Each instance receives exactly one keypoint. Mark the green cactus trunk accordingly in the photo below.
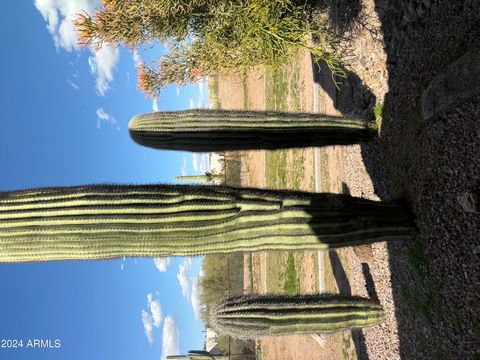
(198, 178)
(208, 177)
(221, 130)
(110, 221)
(256, 316)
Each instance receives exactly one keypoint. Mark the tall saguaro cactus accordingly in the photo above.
(256, 316)
(207, 177)
(109, 221)
(222, 130)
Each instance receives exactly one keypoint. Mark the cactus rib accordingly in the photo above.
(108, 221)
(256, 316)
(226, 130)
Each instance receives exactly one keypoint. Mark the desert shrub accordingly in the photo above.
(206, 37)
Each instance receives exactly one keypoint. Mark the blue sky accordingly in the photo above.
(65, 117)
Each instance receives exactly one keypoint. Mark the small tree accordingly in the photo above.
(208, 36)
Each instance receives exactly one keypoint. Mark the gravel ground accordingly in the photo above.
(429, 286)
(381, 341)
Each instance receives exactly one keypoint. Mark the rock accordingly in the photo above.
(364, 253)
(468, 201)
(459, 82)
(420, 10)
(427, 3)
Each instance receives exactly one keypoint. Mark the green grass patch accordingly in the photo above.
(276, 169)
(291, 285)
(324, 175)
(418, 259)
(378, 111)
(295, 88)
(275, 277)
(276, 89)
(418, 302)
(348, 351)
(297, 171)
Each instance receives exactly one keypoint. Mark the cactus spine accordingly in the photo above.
(256, 316)
(222, 130)
(109, 221)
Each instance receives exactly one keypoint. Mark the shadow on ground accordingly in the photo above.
(351, 98)
(344, 288)
(435, 277)
(343, 15)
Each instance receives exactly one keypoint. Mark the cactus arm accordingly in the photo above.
(222, 130)
(256, 316)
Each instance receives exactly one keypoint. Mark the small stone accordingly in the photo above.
(468, 201)
(420, 10)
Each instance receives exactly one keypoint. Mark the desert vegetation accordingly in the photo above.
(400, 49)
(206, 37)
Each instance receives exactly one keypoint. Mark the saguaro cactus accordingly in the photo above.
(198, 355)
(256, 316)
(207, 177)
(108, 221)
(221, 130)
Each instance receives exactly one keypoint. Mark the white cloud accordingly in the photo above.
(192, 104)
(182, 276)
(152, 318)
(136, 57)
(59, 15)
(170, 338)
(189, 285)
(127, 83)
(157, 313)
(184, 166)
(72, 84)
(195, 298)
(102, 64)
(200, 162)
(155, 310)
(162, 263)
(103, 116)
(177, 90)
(155, 104)
(147, 321)
(201, 94)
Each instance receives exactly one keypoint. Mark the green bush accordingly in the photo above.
(209, 37)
